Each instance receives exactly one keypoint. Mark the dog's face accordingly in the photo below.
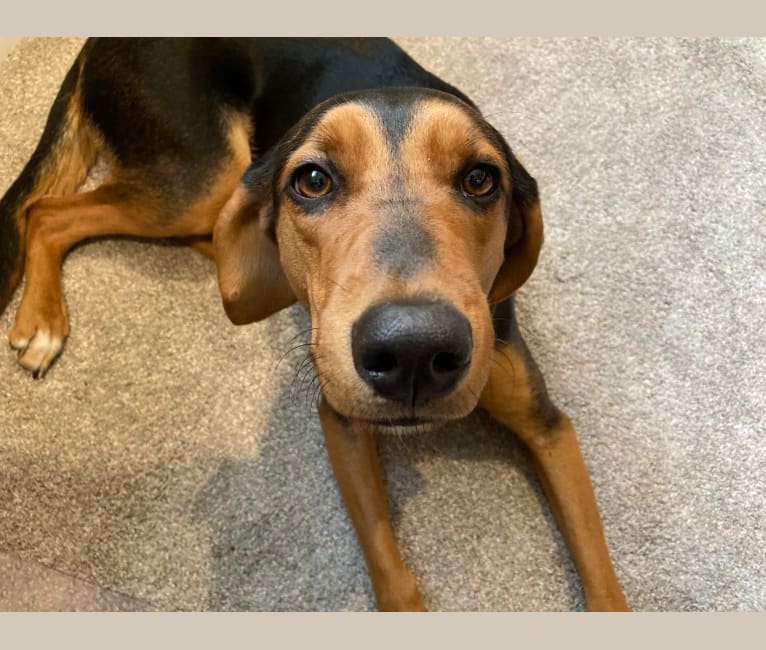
(398, 216)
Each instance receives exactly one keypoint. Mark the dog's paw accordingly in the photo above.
(614, 602)
(38, 342)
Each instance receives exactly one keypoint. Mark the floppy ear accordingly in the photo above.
(524, 236)
(250, 277)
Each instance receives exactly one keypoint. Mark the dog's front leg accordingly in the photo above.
(515, 396)
(354, 460)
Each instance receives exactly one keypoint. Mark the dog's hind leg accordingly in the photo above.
(64, 155)
(55, 224)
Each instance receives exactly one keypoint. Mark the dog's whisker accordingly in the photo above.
(307, 388)
(301, 378)
(320, 390)
(302, 332)
(307, 360)
(308, 374)
(294, 380)
(291, 350)
(303, 372)
(314, 393)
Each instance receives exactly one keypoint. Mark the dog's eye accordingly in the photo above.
(312, 182)
(480, 181)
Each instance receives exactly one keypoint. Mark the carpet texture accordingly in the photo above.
(28, 586)
(175, 459)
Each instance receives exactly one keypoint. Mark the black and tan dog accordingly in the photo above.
(338, 173)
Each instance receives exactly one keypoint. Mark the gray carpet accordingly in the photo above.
(174, 459)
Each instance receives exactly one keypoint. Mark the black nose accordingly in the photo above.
(412, 352)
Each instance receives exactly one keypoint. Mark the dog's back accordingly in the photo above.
(160, 110)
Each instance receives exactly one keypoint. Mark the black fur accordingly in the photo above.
(507, 333)
(22, 187)
(160, 106)
(295, 75)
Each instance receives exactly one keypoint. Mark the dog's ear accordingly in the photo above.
(250, 277)
(524, 236)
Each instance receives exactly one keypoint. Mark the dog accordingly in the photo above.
(334, 172)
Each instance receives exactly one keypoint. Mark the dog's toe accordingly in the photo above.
(22, 333)
(39, 352)
(38, 334)
(18, 341)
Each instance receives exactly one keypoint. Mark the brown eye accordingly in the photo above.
(310, 181)
(479, 181)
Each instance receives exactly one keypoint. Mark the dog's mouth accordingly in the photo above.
(400, 422)
(404, 425)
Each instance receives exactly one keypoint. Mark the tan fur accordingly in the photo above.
(250, 275)
(56, 223)
(444, 136)
(354, 460)
(202, 244)
(510, 397)
(331, 259)
(328, 263)
(73, 155)
(521, 257)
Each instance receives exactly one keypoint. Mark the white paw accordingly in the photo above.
(38, 353)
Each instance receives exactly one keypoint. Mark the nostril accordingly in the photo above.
(380, 363)
(412, 352)
(445, 362)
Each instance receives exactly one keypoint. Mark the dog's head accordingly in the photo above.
(398, 216)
